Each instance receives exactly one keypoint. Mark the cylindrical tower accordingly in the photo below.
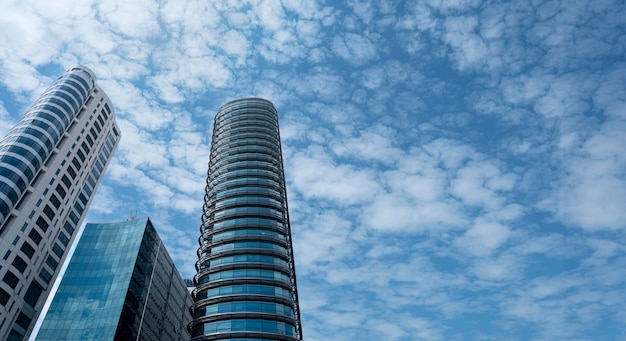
(246, 281)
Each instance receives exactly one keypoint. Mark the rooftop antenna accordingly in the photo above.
(133, 215)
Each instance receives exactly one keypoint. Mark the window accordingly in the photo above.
(32, 294)
(57, 250)
(4, 297)
(85, 147)
(19, 264)
(55, 201)
(76, 163)
(14, 335)
(86, 189)
(35, 236)
(66, 181)
(61, 191)
(71, 172)
(68, 227)
(81, 155)
(45, 275)
(52, 263)
(91, 181)
(23, 321)
(49, 212)
(27, 249)
(83, 199)
(78, 207)
(63, 238)
(11, 279)
(42, 223)
(74, 217)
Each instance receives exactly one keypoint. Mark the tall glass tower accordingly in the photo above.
(128, 290)
(246, 281)
(51, 164)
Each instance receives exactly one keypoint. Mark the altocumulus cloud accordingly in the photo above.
(455, 168)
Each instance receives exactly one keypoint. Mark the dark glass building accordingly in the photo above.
(120, 284)
(51, 164)
(246, 281)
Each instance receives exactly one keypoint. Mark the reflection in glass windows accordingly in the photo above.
(246, 282)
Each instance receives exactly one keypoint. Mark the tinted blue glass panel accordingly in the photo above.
(251, 325)
(95, 284)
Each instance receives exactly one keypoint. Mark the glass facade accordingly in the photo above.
(120, 284)
(246, 282)
(51, 164)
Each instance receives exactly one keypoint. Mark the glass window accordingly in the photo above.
(81, 155)
(247, 259)
(74, 218)
(27, 249)
(247, 232)
(32, 294)
(78, 207)
(63, 238)
(61, 191)
(42, 223)
(45, 275)
(57, 250)
(35, 236)
(245, 306)
(85, 147)
(55, 201)
(11, 279)
(4, 297)
(66, 181)
(76, 163)
(23, 320)
(71, 172)
(68, 227)
(248, 245)
(82, 198)
(49, 212)
(19, 264)
(52, 263)
(252, 325)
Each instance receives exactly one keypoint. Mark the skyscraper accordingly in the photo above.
(246, 281)
(120, 284)
(51, 163)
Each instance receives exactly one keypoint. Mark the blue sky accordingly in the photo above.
(455, 168)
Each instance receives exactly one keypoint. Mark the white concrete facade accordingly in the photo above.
(51, 164)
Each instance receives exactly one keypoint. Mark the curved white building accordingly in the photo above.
(51, 164)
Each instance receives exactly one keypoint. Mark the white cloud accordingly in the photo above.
(354, 48)
(235, 43)
(317, 177)
(478, 184)
(484, 238)
(134, 19)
